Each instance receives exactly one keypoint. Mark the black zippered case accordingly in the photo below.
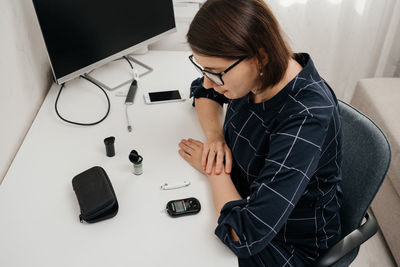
(95, 194)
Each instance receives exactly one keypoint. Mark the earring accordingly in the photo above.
(261, 74)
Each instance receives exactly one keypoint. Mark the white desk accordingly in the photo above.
(39, 223)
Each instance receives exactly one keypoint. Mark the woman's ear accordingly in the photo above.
(263, 56)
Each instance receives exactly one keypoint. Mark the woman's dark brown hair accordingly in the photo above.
(235, 28)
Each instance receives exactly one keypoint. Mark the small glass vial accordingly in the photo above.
(137, 161)
(138, 166)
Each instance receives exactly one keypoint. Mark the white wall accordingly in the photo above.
(24, 75)
(344, 37)
(184, 14)
(390, 61)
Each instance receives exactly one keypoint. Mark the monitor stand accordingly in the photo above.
(148, 70)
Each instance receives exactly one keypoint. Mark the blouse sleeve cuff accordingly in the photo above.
(230, 219)
(198, 91)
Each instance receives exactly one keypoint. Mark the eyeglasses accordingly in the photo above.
(214, 77)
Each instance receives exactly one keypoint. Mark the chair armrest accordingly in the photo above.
(349, 242)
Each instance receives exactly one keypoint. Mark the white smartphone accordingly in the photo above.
(163, 97)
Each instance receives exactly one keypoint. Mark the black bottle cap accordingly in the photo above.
(134, 157)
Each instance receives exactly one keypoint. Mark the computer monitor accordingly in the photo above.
(81, 35)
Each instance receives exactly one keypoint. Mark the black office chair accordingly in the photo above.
(366, 160)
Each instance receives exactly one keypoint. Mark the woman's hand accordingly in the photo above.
(191, 150)
(215, 150)
(203, 156)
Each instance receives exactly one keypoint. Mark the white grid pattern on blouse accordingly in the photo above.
(296, 138)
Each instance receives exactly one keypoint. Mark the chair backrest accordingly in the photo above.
(366, 160)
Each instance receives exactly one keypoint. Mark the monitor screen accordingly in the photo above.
(82, 35)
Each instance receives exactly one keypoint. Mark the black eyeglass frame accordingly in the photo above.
(212, 75)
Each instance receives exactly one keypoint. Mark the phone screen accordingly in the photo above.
(165, 95)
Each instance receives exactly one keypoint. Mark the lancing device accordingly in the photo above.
(129, 101)
(167, 186)
(131, 93)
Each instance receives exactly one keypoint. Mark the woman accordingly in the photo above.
(275, 163)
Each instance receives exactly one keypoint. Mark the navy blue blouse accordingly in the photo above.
(287, 165)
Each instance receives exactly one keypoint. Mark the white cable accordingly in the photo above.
(135, 77)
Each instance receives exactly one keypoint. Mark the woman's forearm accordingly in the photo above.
(223, 191)
(216, 152)
(210, 117)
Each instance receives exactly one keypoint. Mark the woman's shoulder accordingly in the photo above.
(313, 99)
(308, 93)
